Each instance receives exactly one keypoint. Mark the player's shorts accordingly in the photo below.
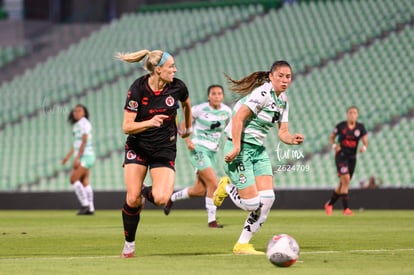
(345, 164)
(202, 158)
(87, 161)
(252, 161)
(150, 156)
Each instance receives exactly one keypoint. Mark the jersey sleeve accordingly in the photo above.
(285, 115)
(257, 100)
(132, 99)
(183, 91)
(196, 111)
(363, 130)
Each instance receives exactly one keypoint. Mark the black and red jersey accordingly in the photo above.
(146, 103)
(348, 138)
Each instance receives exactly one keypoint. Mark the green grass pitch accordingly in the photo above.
(59, 242)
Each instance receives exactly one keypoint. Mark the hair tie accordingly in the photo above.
(164, 58)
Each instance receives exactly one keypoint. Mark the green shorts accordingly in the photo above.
(202, 158)
(252, 161)
(87, 161)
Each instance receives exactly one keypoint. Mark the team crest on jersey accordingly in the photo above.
(133, 105)
(131, 154)
(242, 179)
(169, 101)
(357, 133)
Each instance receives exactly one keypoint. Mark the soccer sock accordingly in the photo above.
(80, 193)
(147, 193)
(89, 195)
(130, 218)
(247, 232)
(234, 195)
(211, 210)
(345, 200)
(267, 197)
(180, 195)
(334, 198)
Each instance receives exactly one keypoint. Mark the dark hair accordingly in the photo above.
(246, 84)
(214, 86)
(352, 107)
(71, 118)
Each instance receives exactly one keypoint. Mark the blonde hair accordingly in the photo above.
(151, 61)
(247, 84)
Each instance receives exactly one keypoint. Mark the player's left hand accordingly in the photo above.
(298, 139)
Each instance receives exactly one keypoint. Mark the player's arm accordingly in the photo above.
(332, 141)
(82, 147)
(68, 155)
(130, 126)
(188, 120)
(286, 137)
(238, 119)
(364, 140)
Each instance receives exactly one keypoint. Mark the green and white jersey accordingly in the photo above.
(81, 127)
(267, 110)
(208, 124)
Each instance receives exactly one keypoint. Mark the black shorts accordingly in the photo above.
(345, 164)
(150, 155)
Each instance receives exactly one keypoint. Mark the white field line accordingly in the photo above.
(4, 259)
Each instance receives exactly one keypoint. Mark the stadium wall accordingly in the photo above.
(285, 199)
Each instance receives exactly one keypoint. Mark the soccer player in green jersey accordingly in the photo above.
(209, 120)
(84, 155)
(250, 176)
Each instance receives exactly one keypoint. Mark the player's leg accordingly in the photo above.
(345, 182)
(197, 190)
(76, 176)
(162, 185)
(88, 162)
(134, 175)
(339, 162)
(209, 178)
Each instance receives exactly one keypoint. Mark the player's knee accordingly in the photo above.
(251, 204)
(134, 200)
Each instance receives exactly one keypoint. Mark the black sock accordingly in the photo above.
(147, 193)
(333, 198)
(130, 218)
(345, 200)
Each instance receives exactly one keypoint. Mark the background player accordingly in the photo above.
(209, 120)
(349, 133)
(84, 155)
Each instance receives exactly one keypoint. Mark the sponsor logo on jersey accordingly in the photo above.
(357, 133)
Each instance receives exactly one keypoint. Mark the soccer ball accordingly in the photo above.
(282, 250)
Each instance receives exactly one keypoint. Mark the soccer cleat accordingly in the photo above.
(348, 212)
(128, 251)
(85, 211)
(245, 249)
(328, 209)
(214, 224)
(167, 207)
(220, 194)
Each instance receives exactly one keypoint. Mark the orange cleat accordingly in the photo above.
(348, 212)
(328, 209)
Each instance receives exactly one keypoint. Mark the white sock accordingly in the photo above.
(231, 190)
(253, 221)
(211, 210)
(267, 197)
(89, 195)
(80, 193)
(180, 195)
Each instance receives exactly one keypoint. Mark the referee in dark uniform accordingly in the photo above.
(349, 133)
(150, 114)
